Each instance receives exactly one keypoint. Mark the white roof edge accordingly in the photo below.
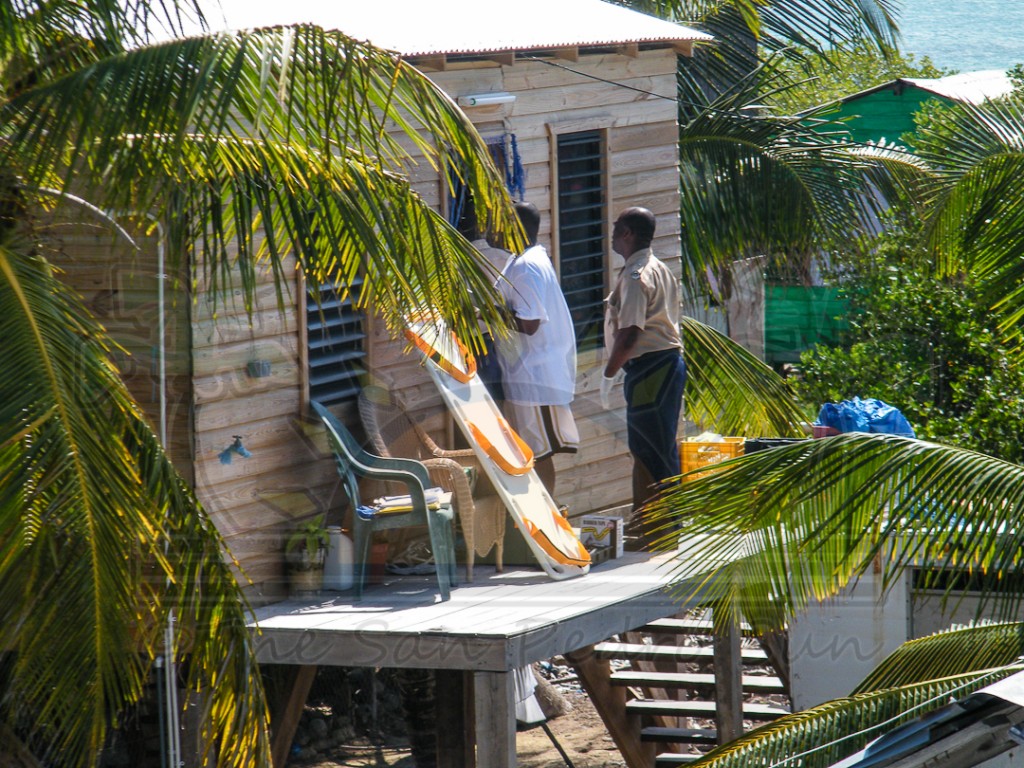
(972, 87)
(463, 27)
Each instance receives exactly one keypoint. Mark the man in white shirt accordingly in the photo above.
(539, 372)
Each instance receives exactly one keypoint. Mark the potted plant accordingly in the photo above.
(305, 551)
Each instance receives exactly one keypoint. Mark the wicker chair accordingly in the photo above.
(393, 433)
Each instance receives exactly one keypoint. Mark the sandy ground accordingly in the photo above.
(580, 733)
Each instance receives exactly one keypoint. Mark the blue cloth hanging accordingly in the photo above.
(515, 177)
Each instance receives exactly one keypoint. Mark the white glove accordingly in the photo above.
(607, 382)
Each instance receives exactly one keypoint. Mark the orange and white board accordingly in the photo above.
(504, 456)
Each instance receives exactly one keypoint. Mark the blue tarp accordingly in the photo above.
(868, 415)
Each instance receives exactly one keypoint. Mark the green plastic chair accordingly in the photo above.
(352, 462)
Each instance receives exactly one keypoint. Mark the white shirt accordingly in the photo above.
(538, 369)
(496, 257)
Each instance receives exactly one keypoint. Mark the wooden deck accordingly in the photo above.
(489, 628)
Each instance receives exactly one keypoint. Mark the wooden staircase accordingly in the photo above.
(688, 683)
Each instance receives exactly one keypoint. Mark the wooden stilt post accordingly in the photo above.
(454, 737)
(495, 715)
(728, 678)
(288, 712)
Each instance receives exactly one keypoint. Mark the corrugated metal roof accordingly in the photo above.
(453, 27)
(972, 87)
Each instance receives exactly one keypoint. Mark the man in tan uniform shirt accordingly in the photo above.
(642, 338)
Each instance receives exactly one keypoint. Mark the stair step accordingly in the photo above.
(667, 759)
(687, 627)
(641, 652)
(704, 736)
(761, 712)
(699, 681)
(675, 758)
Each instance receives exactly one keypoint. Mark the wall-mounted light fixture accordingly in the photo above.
(486, 99)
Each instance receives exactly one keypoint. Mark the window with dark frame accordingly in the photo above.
(581, 233)
(336, 344)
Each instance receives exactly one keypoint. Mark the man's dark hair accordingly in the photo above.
(641, 223)
(529, 217)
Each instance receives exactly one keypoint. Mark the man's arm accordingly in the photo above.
(528, 327)
(623, 343)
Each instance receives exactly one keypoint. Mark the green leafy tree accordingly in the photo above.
(927, 345)
(777, 530)
(846, 71)
(1016, 75)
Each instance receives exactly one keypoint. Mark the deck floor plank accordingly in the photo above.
(497, 623)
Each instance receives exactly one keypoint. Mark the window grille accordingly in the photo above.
(581, 233)
(336, 344)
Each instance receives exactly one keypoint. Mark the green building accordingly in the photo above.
(886, 111)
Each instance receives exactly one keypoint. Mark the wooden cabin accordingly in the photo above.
(577, 99)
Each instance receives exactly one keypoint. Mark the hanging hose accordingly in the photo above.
(160, 710)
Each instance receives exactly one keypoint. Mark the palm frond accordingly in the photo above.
(771, 532)
(101, 538)
(288, 139)
(832, 23)
(756, 184)
(951, 652)
(978, 198)
(823, 735)
(34, 31)
(749, 31)
(733, 391)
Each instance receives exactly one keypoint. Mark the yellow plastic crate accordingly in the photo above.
(695, 454)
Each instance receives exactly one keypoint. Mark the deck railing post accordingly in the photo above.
(728, 677)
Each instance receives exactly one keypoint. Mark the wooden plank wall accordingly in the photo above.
(643, 170)
(255, 502)
(118, 283)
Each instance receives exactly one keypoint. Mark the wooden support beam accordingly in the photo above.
(610, 702)
(684, 48)
(286, 715)
(628, 49)
(454, 738)
(505, 59)
(494, 706)
(568, 54)
(437, 61)
(728, 678)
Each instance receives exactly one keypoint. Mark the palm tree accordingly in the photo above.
(774, 531)
(270, 142)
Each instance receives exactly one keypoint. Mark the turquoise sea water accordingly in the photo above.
(965, 35)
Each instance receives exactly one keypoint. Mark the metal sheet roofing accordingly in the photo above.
(972, 87)
(453, 27)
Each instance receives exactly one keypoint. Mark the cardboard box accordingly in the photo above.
(603, 534)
